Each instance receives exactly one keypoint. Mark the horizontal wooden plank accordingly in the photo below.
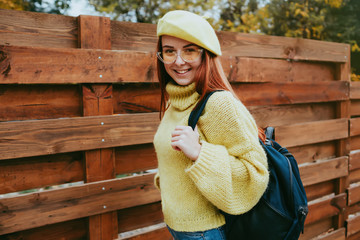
(291, 93)
(39, 65)
(25, 102)
(25, 28)
(41, 137)
(317, 228)
(321, 171)
(338, 234)
(246, 69)
(136, 36)
(353, 194)
(136, 98)
(355, 90)
(254, 45)
(135, 158)
(130, 219)
(354, 177)
(52, 65)
(354, 127)
(74, 229)
(325, 207)
(353, 224)
(36, 172)
(355, 108)
(314, 152)
(18, 213)
(297, 113)
(319, 190)
(355, 143)
(354, 160)
(133, 36)
(311, 132)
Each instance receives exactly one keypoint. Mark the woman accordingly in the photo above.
(218, 166)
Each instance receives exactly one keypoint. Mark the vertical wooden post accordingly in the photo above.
(94, 33)
(343, 148)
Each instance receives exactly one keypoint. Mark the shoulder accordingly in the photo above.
(224, 102)
(223, 107)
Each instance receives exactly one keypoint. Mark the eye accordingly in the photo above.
(169, 51)
(190, 50)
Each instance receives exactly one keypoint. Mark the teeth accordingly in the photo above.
(181, 71)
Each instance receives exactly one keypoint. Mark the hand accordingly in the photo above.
(184, 139)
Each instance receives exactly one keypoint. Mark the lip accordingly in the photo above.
(182, 71)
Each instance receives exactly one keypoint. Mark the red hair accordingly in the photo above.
(209, 77)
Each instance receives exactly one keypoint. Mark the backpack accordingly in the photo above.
(280, 213)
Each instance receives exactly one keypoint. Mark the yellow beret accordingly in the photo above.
(190, 27)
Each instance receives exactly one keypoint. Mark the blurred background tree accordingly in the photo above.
(54, 6)
(326, 20)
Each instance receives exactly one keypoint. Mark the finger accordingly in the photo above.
(176, 133)
(176, 138)
(196, 129)
(175, 146)
(180, 127)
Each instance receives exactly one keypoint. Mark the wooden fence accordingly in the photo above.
(79, 104)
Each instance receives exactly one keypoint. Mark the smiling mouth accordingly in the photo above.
(182, 71)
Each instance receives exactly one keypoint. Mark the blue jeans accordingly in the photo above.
(212, 234)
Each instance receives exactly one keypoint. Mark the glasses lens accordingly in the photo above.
(190, 54)
(169, 55)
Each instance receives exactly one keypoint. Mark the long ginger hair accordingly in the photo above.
(209, 77)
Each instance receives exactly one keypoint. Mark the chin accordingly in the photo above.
(183, 82)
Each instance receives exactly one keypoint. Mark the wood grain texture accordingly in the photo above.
(26, 102)
(325, 207)
(354, 160)
(73, 229)
(28, 65)
(135, 36)
(54, 65)
(43, 208)
(323, 170)
(355, 90)
(36, 172)
(353, 225)
(22, 28)
(320, 131)
(291, 93)
(42, 137)
(354, 127)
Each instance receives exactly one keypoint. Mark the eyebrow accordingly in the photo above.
(188, 45)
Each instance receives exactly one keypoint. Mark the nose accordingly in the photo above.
(179, 60)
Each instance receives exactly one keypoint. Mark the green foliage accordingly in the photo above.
(58, 7)
(242, 16)
(147, 11)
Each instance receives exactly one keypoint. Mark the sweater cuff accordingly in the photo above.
(208, 162)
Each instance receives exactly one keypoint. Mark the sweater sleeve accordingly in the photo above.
(231, 170)
(157, 180)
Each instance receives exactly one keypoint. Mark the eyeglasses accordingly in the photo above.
(189, 55)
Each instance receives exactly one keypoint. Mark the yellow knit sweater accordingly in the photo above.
(230, 173)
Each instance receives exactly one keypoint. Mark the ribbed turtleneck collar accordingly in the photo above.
(182, 97)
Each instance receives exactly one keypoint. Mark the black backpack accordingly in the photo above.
(280, 214)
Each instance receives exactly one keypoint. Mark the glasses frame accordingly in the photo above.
(158, 54)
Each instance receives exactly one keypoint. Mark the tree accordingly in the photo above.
(242, 16)
(147, 11)
(329, 20)
(57, 7)
(343, 25)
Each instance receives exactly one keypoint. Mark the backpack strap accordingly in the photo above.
(196, 112)
(269, 133)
